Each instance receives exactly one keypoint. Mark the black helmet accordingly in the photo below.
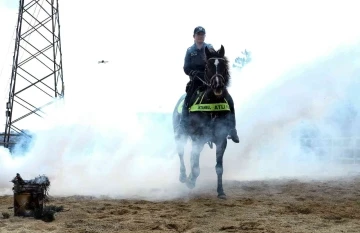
(199, 29)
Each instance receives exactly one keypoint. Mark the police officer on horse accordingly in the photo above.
(194, 67)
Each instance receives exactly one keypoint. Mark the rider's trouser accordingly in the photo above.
(191, 88)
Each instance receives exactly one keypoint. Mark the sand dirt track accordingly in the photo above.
(256, 206)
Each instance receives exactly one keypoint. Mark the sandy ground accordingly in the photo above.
(256, 206)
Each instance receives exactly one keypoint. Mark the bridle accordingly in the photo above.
(216, 73)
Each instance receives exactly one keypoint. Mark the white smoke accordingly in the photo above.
(315, 101)
(108, 138)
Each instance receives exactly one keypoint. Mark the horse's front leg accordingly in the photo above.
(220, 149)
(197, 147)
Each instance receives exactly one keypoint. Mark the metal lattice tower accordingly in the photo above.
(37, 74)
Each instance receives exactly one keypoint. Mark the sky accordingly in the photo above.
(302, 79)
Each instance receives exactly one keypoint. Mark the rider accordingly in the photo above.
(194, 67)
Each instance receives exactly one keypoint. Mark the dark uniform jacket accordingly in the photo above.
(195, 58)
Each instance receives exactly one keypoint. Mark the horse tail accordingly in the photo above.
(177, 112)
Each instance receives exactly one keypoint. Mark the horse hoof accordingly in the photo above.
(222, 196)
(182, 178)
(190, 184)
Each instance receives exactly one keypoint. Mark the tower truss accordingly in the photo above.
(37, 73)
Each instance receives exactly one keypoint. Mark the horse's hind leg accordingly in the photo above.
(220, 149)
(180, 144)
(197, 147)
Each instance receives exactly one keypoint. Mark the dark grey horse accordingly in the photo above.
(209, 118)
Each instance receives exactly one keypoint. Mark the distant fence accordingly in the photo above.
(343, 149)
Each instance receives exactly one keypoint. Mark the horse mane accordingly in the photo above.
(227, 76)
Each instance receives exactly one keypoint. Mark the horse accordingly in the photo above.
(209, 119)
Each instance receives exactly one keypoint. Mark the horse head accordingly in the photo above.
(217, 71)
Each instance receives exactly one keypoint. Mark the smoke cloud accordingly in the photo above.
(112, 134)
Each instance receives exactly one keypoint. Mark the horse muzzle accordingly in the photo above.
(218, 92)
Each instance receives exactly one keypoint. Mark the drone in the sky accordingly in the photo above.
(102, 61)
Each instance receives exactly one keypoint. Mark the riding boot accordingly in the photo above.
(233, 132)
(232, 121)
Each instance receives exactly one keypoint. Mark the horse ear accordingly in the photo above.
(207, 52)
(221, 51)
